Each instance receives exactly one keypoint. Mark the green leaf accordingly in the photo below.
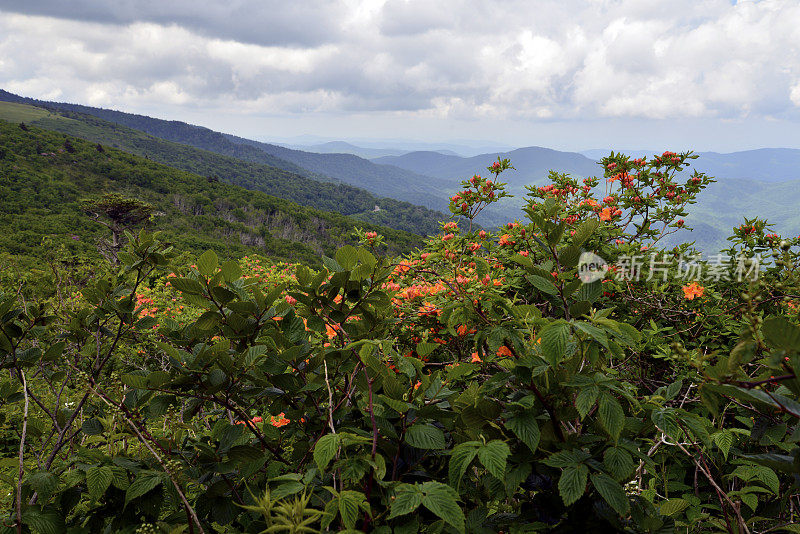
(207, 263)
(286, 489)
(92, 427)
(526, 428)
(618, 462)
(462, 456)
(186, 285)
(545, 286)
(612, 493)
(347, 257)
(590, 292)
(43, 521)
(43, 482)
(349, 504)
(611, 415)
(572, 483)
(143, 483)
(98, 479)
(493, 456)
(231, 271)
(424, 436)
(407, 499)
(325, 450)
(780, 333)
(554, 342)
(208, 320)
(424, 349)
(584, 231)
(586, 398)
(673, 506)
(441, 499)
(331, 264)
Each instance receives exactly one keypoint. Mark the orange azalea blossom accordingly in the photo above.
(505, 351)
(463, 330)
(693, 290)
(476, 358)
(279, 421)
(332, 330)
(606, 214)
(505, 239)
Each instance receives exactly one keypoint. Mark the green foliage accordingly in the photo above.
(220, 158)
(479, 385)
(44, 189)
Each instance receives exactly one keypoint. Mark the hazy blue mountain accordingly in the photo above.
(532, 165)
(465, 148)
(342, 147)
(765, 164)
(385, 180)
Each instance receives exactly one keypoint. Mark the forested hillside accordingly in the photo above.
(329, 196)
(44, 177)
(378, 179)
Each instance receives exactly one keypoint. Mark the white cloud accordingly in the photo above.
(506, 59)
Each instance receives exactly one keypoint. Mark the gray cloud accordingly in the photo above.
(506, 59)
(265, 22)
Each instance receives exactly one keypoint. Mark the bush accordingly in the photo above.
(487, 383)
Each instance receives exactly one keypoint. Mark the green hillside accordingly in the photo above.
(382, 180)
(329, 196)
(45, 175)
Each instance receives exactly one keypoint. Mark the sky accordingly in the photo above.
(632, 74)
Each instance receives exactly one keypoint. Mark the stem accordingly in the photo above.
(22, 452)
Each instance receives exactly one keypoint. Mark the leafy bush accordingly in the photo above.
(482, 384)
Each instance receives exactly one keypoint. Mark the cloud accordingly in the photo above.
(503, 59)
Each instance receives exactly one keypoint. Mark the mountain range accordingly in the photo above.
(749, 183)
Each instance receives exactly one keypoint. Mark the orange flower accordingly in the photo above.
(279, 421)
(693, 290)
(505, 351)
(505, 239)
(332, 330)
(606, 214)
(476, 358)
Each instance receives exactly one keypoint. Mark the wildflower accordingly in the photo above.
(290, 300)
(505, 239)
(693, 290)
(475, 358)
(504, 351)
(279, 421)
(606, 214)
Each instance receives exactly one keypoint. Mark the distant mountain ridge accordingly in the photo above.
(379, 179)
(531, 164)
(45, 175)
(332, 196)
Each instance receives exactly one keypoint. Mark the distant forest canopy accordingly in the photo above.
(235, 169)
(47, 176)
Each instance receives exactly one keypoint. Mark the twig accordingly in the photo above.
(158, 458)
(330, 398)
(22, 452)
